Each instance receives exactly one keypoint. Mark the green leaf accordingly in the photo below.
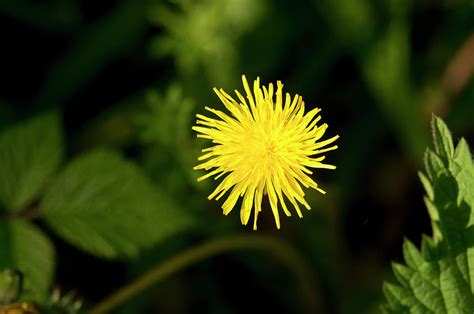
(427, 185)
(440, 279)
(398, 298)
(428, 248)
(402, 273)
(462, 155)
(30, 153)
(105, 205)
(10, 285)
(411, 255)
(25, 248)
(442, 140)
(433, 164)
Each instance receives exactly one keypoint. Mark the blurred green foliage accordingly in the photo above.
(164, 130)
(26, 248)
(202, 36)
(97, 192)
(29, 155)
(105, 205)
(10, 286)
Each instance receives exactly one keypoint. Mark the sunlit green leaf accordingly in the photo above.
(441, 278)
(30, 153)
(105, 205)
(433, 164)
(442, 138)
(25, 248)
(462, 154)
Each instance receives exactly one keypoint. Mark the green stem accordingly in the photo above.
(279, 249)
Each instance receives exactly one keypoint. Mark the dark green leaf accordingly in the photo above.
(106, 206)
(29, 154)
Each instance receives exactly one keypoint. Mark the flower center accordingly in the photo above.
(271, 149)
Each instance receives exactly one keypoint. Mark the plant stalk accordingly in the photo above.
(279, 249)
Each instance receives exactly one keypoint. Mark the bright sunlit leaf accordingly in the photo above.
(440, 279)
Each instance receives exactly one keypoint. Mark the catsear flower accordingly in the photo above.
(264, 147)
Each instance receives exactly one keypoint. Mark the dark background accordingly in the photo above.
(131, 75)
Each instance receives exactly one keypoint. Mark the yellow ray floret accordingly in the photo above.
(264, 147)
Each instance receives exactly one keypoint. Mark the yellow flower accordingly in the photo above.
(264, 147)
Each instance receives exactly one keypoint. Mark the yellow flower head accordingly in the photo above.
(264, 147)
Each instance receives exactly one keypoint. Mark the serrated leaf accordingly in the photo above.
(26, 249)
(398, 295)
(462, 168)
(394, 309)
(411, 255)
(403, 273)
(30, 153)
(433, 164)
(103, 204)
(392, 294)
(462, 155)
(426, 184)
(428, 248)
(432, 209)
(442, 139)
(443, 278)
(426, 292)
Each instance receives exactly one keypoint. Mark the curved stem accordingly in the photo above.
(279, 249)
